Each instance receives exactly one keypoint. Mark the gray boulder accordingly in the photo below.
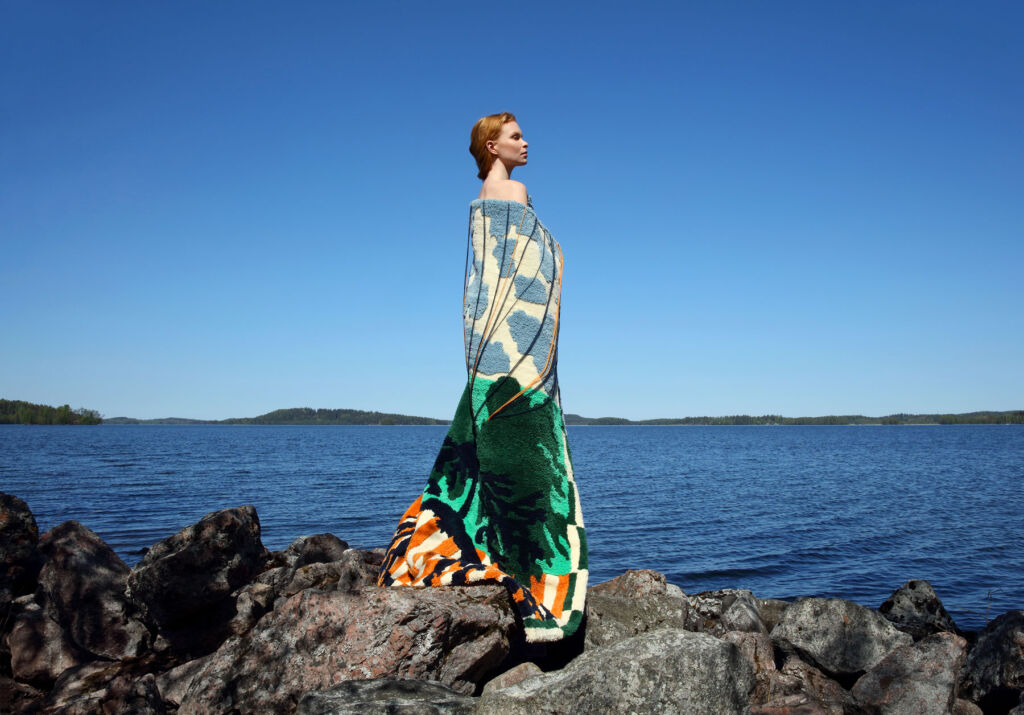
(841, 638)
(633, 603)
(386, 696)
(916, 609)
(318, 548)
(82, 587)
(184, 584)
(317, 639)
(354, 569)
(730, 609)
(993, 675)
(771, 610)
(914, 678)
(664, 671)
(512, 676)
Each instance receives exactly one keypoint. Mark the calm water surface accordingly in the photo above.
(850, 512)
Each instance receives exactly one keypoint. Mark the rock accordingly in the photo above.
(667, 670)
(81, 680)
(635, 583)
(18, 697)
(82, 587)
(183, 585)
(915, 608)
(792, 705)
(20, 559)
(109, 686)
(121, 694)
(771, 610)
(384, 696)
(319, 548)
(252, 601)
(797, 687)
(993, 675)
(757, 649)
(512, 676)
(914, 678)
(40, 649)
(718, 612)
(633, 603)
(966, 707)
(174, 683)
(317, 639)
(840, 637)
(353, 571)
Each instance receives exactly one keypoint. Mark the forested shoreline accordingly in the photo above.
(964, 418)
(29, 413)
(20, 412)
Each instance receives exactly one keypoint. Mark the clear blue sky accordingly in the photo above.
(216, 209)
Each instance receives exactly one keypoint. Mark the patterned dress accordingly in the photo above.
(501, 504)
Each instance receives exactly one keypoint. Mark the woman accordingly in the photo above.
(501, 503)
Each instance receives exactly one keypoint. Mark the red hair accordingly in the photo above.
(487, 129)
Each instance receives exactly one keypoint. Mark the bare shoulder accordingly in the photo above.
(507, 189)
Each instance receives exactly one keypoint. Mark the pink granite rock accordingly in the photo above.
(317, 639)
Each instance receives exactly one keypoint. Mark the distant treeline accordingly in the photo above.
(17, 412)
(902, 418)
(296, 416)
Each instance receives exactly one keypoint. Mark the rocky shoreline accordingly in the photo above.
(209, 621)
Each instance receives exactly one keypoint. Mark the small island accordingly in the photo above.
(28, 413)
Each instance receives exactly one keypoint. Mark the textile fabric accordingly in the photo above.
(501, 503)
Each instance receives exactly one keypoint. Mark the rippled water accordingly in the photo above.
(850, 512)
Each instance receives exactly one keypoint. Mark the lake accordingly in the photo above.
(785, 511)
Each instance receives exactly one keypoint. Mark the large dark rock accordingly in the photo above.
(40, 648)
(386, 696)
(840, 637)
(82, 587)
(20, 560)
(916, 609)
(730, 609)
(667, 670)
(993, 675)
(184, 584)
(918, 678)
(633, 603)
(317, 639)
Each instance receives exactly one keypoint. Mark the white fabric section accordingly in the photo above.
(550, 590)
(574, 548)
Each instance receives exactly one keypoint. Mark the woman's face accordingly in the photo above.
(510, 146)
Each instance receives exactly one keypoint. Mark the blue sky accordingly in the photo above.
(214, 210)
